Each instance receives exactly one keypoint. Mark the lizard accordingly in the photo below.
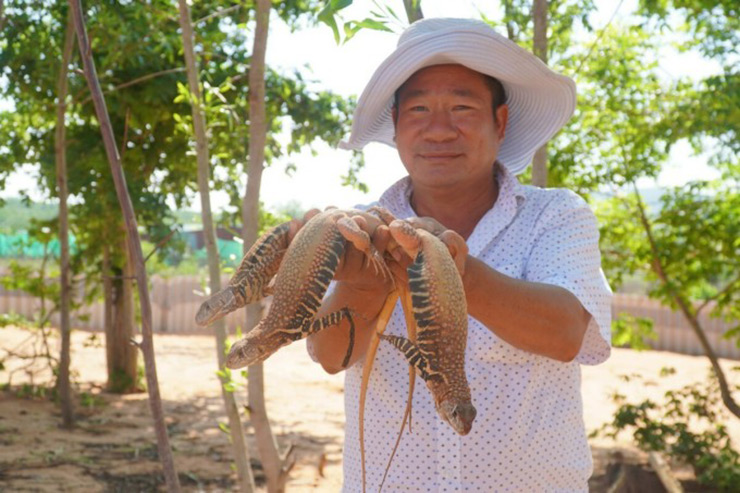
(251, 279)
(441, 316)
(436, 318)
(302, 270)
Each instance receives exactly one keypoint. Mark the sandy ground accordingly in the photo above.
(113, 447)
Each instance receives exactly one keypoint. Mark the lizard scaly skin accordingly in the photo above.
(440, 313)
(301, 281)
(251, 279)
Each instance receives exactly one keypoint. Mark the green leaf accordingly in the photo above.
(327, 17)
(353, 27)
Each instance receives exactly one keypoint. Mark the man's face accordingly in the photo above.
(446, 133)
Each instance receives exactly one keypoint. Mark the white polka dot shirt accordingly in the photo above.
(529, 434)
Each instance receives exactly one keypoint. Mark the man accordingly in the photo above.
(466, 109)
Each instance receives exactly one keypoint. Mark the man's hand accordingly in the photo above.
(355, 269)
(455, 244)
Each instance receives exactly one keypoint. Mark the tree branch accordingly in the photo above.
(2, 17)
(218, 13)
(160, 244)
(132, 82)
(598, 38)
(724, 290)
(125, 133)
(685, 308)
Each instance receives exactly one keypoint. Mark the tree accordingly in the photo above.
(276, 465)
(241, 453)
(137, 257)
(31, 84)
(65, 390)
(627, 122)
(413, 10)
(539, 17)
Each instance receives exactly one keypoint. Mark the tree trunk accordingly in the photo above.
(539, 15)
(413, 10)
(689, 313)
(2, 16)
(60, 149)
(108, 310)
(276, 467)
(508, 13)
(122, 355)
(136, 255)
(238, 439)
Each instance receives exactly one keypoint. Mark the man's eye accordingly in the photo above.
(462, 107)
(418, 108)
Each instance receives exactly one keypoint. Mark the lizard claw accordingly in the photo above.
(384, 214)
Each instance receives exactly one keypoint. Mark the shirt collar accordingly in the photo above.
(397, 199)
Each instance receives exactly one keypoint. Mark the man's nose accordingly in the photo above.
(440, 127)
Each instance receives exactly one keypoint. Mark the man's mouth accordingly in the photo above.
(439, 155)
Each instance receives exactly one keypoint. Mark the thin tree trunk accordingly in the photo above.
(539, 15)
(108, 310)
(2, 16)
(510, 32)
(60, 150)
(413, 10)
(276, 467)
(122, 355)
(136, 255)
(238, 440)
(687, 311)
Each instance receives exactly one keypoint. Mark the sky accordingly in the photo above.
(345, 70)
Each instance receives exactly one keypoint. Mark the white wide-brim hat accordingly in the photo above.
(540, 101)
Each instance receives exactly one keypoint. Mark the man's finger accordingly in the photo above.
(457, 247)
(427, 224)
(308, 215)
(381, 238)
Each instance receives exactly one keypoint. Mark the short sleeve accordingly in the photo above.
(566, 254)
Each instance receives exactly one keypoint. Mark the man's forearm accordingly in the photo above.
(330, 345)
(539, 318)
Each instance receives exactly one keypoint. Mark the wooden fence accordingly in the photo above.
(175, 301)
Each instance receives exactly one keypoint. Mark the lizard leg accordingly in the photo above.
(352, 232)
(382, 322)
(411, 329)
(406, 236)
(384, 214)
(333, 319)
(414, 356)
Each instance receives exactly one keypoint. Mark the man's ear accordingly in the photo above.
(501, 118)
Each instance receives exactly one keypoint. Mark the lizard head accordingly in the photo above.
(245, 353)
(459, 414)
(217, 306)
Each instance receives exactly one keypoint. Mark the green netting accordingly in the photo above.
(18, 245)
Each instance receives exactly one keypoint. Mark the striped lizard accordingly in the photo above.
(302, 270)
(435, 348)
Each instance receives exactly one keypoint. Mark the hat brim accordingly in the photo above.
(540, 100)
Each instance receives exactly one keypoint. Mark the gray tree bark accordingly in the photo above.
(136, 255)
(539, 15)
(121, 354)
(238, 440)
(510, 32)
(275, 465)
(60, 155)
(413, 10)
